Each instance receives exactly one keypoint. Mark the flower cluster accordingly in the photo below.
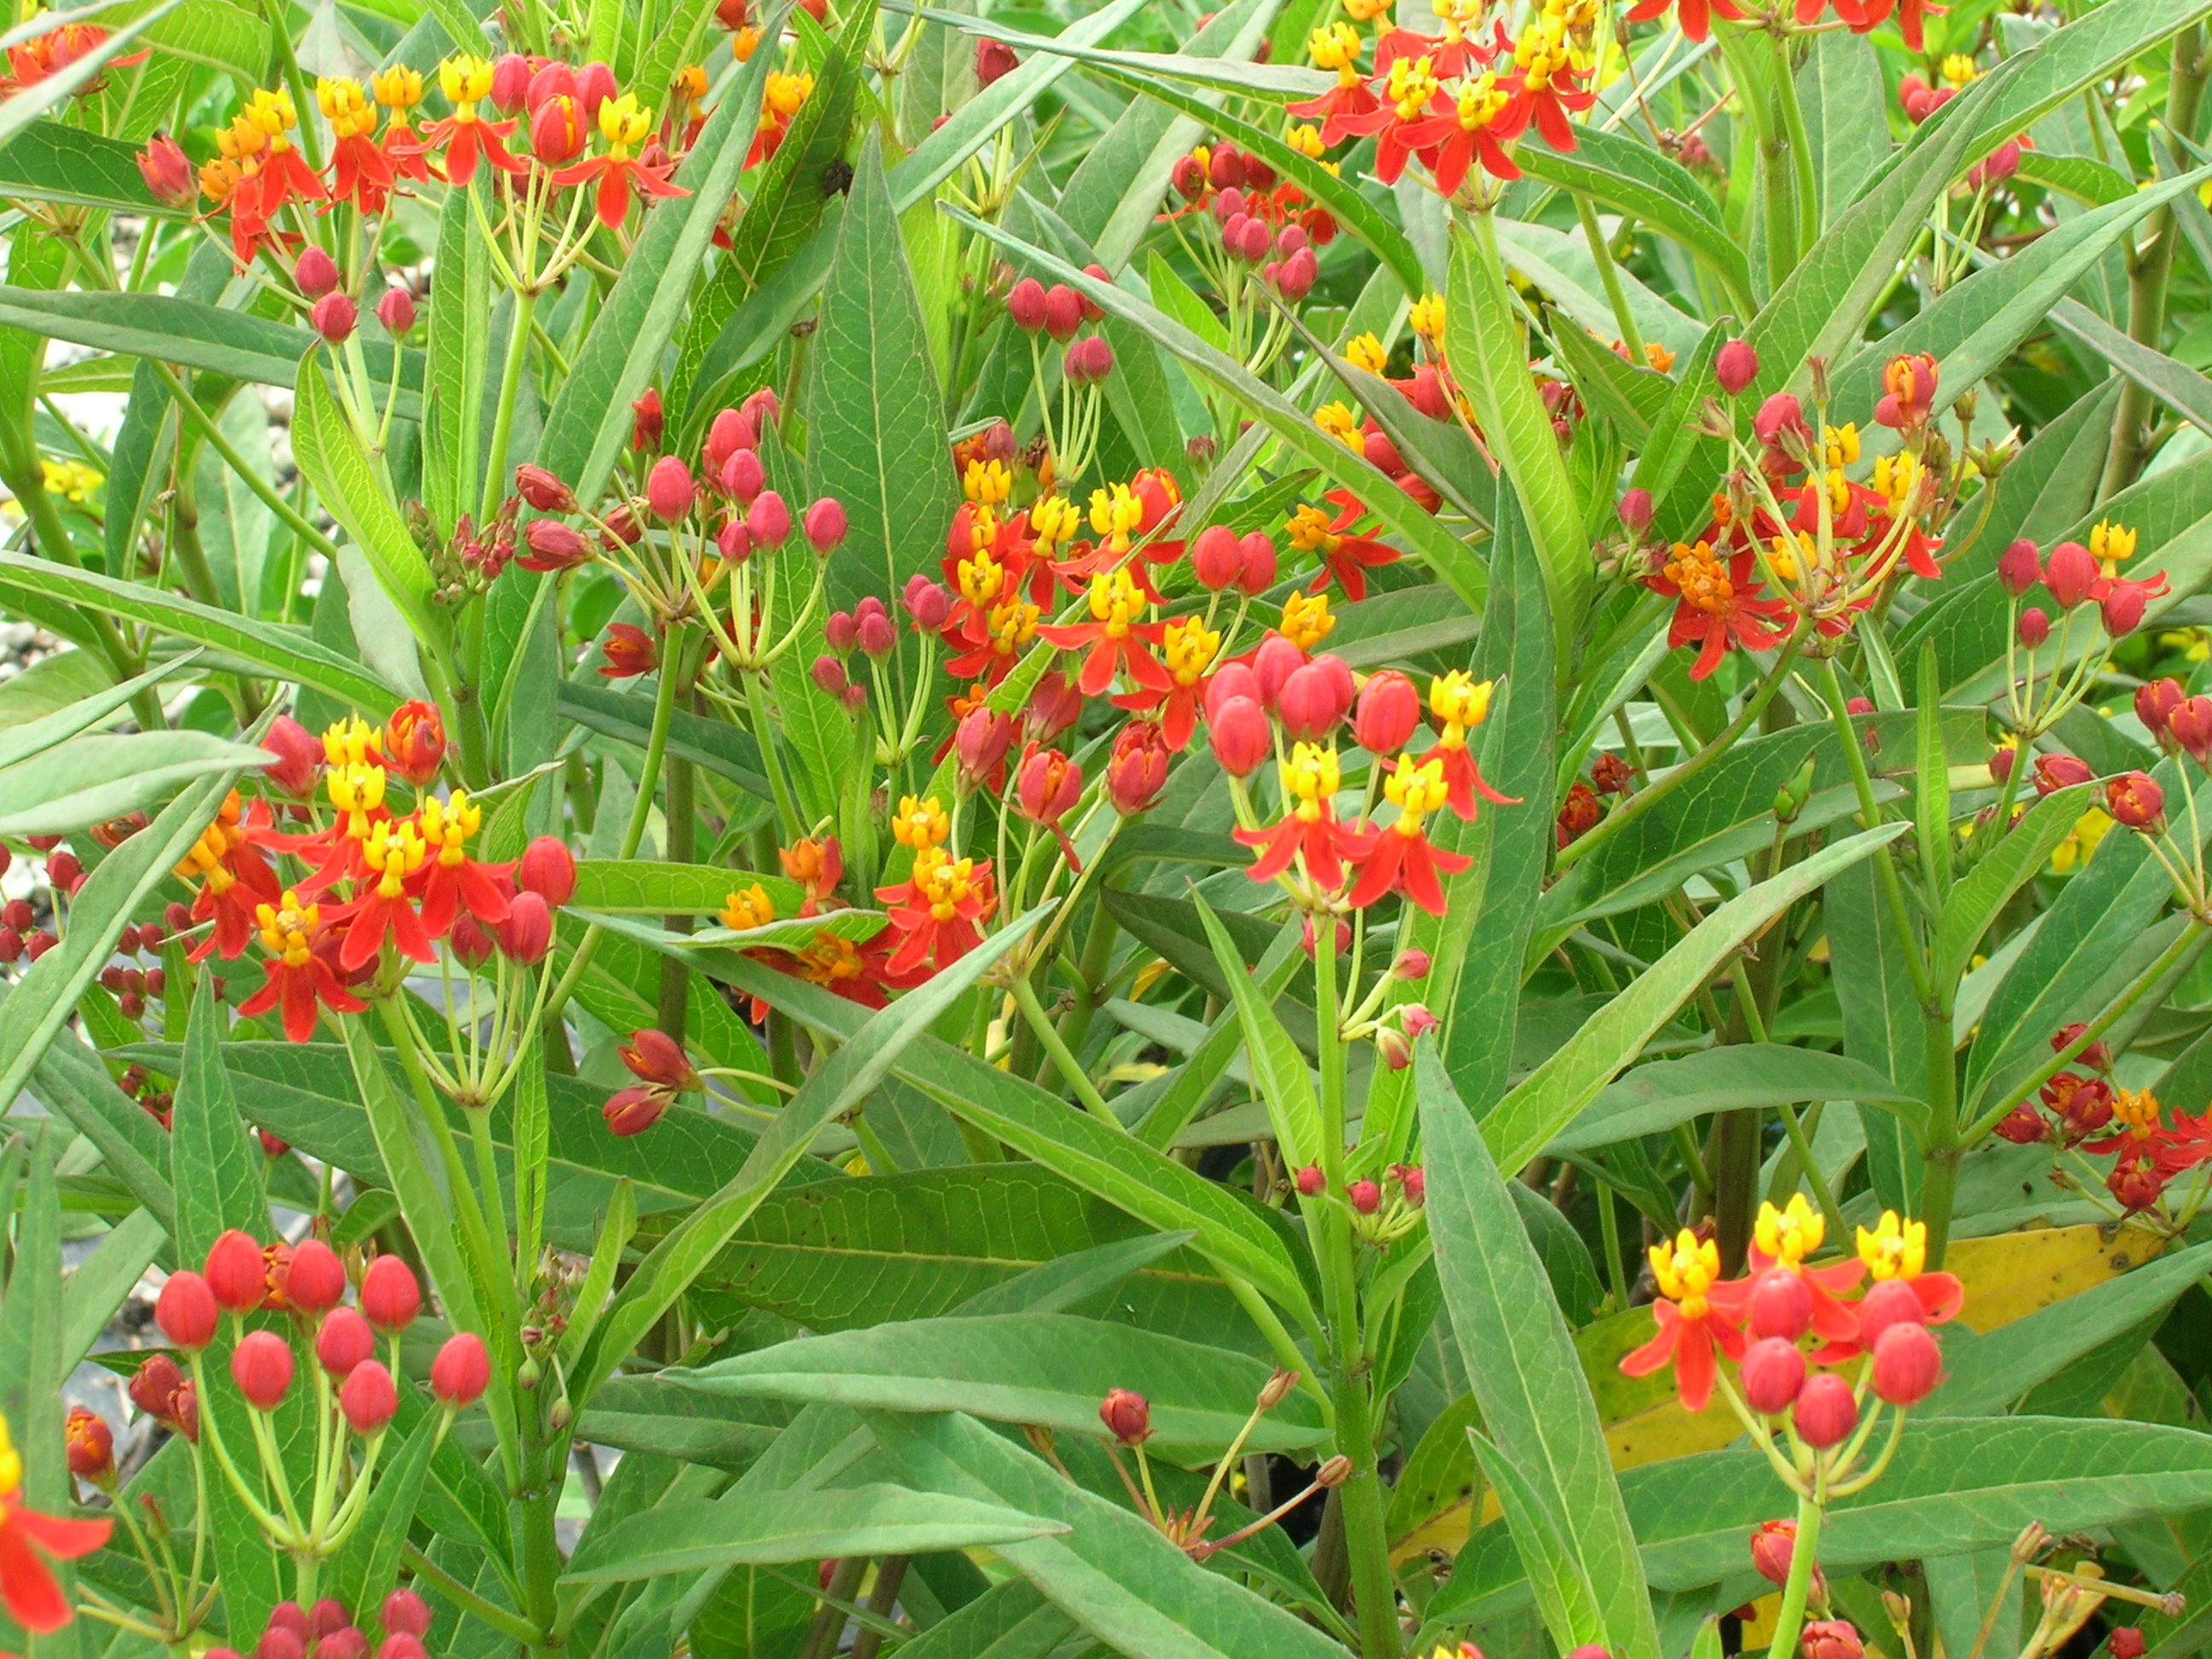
(372, 890)
(2081, 1112)
(1795, 542)
(1454, 100)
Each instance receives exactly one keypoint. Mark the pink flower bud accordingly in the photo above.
(548, 544)
(1063, 311)
(1273, 663)
(1310, 1181)
(343, 1341)
(2155, 700)
(1411, 965)
(168, 172)
(1364, 1197)
(261, 1365)
(2034, 627)
(2069, 573)
(390, 1297)
(1389, 710)
(1308, 703)
(669, 491)
(1778, 416)
(1415, 1019)
(767, 521)
(2019, 568)
(595, 84)
(333, 317)
(1258, 574)
(1773, 1371)
(1825, 1413)
(510, 82)
(186, 1310)
(825, 524)
(405, 1613)
(1888, 1302)
(1025, 305)
(237, 1271)
(1137, 767)
(2122, 609)
(742, 476)
(461, 1371)
(527, 932)
(2135, 801)
(1781, 1305)
(1238, 731)
(1735, 365)
(877, 637)
(1295, 277)
(1771, 1546)
(1127, 1416)
(368, 1398)
(548, 869)
(828, 673)
(1215, 557)
(315, 274)
(1635, 511)
(314, 1278)
(298, 756)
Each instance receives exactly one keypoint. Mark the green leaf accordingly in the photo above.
(1488, 355)
(1527, 1382)
(1111, 1571)
(1008, 1622)
(368, 1565)
(715, 744)
(1841, 92)
(2092, 183)
(1556, 1092)
(786, 203)
(837, 1086)
(1446, 555)
(1050, 1369)
(1986, 1372)
(646, 1414)
(1635, 179)
(31, 1331)
(105, 1280)
(46, 994)
(91, 779)
(1652, 1099)
(1279, 1070)
(2004, 869)
(589, 423)
(456, 358)
(1956, 1484)
(51, 162)
(283, 652)
(191, 334)
(37, 735)
(332, 460)
(2095, 46)
(875, 438)
(799, 1525)
(215, 1166)
(2177, 386)
(1154, 1188)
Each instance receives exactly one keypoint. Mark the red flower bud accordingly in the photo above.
(2155, 701)
(2121, 610)
(390, 1297)
(557, 131)
(1215, 557)
(402, 1646)
(1137, 767)
(2019, 569)
(1779, 415)
(767, 521)
(313, 273)
(527, 932)
(333, 317)
(1308, 703)
(1389, 708)
(344, 1643)
(628, 651)
(153, 1386)
(1258, 574)
(1635, 511)
(669, 490)
(877, 637)
(1048, 786)
(2096, 1055)
(1826, 1413)
(1189, 178)
(279, 1642)
(1310, 1179)
(1242, 740)
(1773, 1371)
(405, 1613)
(1907, 1364)
(2135, 799)
(327, 1616)
(1025, 305)
(1128, 1417)
(1364, 1197)
(1771, 1546)
(185, 1309)
(994, 60)
(368, 1398)
(261, 1365)
(548, 869)
(298, 756)
(237, 1271)
(460, 1372)
(168, 171)
(549, 545)
(647, 417)
(633, 1110)
(1063, 311)
(980, 742)
(414, 742)
(2055, 772)
(1831, 1638)
(1296, 276)
(2069, 573)
(315, 1279)
(595, 84)
(824, 524)
(2126, 1642)
(343, 1341)
(1781, 1305)
(90, 1444)
(1735, 367)
(1417, 1021)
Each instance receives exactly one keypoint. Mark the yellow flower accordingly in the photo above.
(1306, 621)
(286, 929)
(352, 742)
(1053, 519)
(1336, 47)
(1686, 1270)
(393, 848)
(750, 908)
(786, 93)
(1840, 444)
(1306, 140)
(1426, 319)
(981, 580)
(1411, 84)
(624, 124)
(1187, 647)
(465, 79)
(920, 823)
(1958, 69)
(447, 825)
(1459, 699)
(1790, 1234)
(1310, 777)
(1116, 601)
(1115, 514)
(2088, 829)
(2135, 1108)
(986, 480)
(1341, 423)
(350, 115)
(2109, 543)
(1416, 789)
(1368, 353)
(1895, 1248)
(73, 480)
(397, 87)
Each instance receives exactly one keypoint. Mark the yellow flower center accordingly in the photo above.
(1685, 1271)
(1309, 777)
(1416, 789)
(393, 848)
(1459, 699)
(286, 927)
(447, 824)
(1413, 83)
(2109, 543)
(1702, 578)
(1336, 47)
(1012, 625)
(1789, 1234)
(352, 742)
(981, 578)
(1426, 319)
(624, 124)
(986, 480)
(466, 80)
(397, 87)
(1341, 423)
(1115, 601)
(920, 823)
(1307, 528)
(1053, 520)
(1189, 648)
(350, 115)
(1306, 621)
(1895, 1248)
(1114, 516)
(943, 882)
(750, 908)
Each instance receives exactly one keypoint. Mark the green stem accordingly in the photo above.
(1791, 1619)
(1642, 802)
(1071, 1068)
(1616, 295)
(1801, 145)
(467, 1600)
(209, 429)
(1366, 1542)
(502, 424)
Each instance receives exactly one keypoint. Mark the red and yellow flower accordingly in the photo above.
(300, 972)
(27, 1590)
(1309, 835)
(1462, 702)
(465, 79)
(1399, 858)
(1696, 1317)
(626, 127)
(451, 881)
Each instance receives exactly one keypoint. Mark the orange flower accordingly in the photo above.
(1116, 639)
(451, 881)
(1718, 604)
(936, 909)
(1398, 858)
(466, 81)
(27, 1588)
(624, 126)
(299, 971)
(1309, 834)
